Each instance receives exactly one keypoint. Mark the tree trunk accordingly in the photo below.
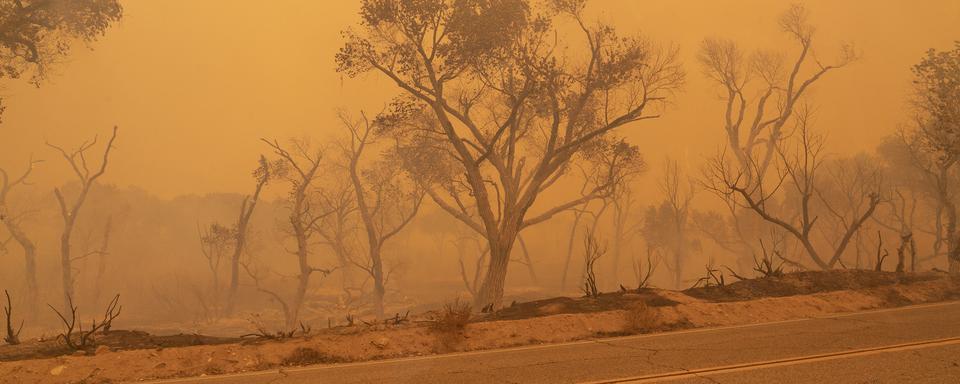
(30, 267)
(378, 286)
(913, 255)
(346, 280)
(66, 266)
(238, 248)
(679, 251)
(953, 238)
(618, 239)
(234, 283)
(293, 313)
(33, 289)
(678, 269)
(303, 281)
(566, 263)
(102, 261)
(491, 291)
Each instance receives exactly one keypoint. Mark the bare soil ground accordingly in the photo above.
(123, 356)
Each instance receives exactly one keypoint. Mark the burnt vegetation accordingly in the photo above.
(74, 336)
(505, 168)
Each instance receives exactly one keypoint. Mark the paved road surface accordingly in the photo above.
(919, 344)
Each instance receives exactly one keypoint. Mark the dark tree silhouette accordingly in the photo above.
(385, 201)
(509, 109)
(11, 221)
(935, 135)
(70, 211)
(35, 34)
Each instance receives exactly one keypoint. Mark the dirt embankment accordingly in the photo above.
(130, 356)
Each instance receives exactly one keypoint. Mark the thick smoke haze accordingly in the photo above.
(194, 85)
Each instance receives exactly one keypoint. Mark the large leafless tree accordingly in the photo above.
(511, 109)
(798, 169)
(761, 92)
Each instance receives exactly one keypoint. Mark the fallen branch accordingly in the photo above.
(713, 278)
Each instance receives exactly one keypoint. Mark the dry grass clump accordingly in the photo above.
(453, 316)
(641, 318)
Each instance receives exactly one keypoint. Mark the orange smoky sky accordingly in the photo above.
(194, 85)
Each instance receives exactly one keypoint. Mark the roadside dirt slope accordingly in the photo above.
(125, 356)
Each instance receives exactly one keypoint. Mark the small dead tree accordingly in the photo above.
(593, 251)
(337, 229)
(713, 278)
(765, 265)
(12, 337)
(299, 166)
(247, 206)
(12, 223)
(85, 339)
(881, 254)
(385, 200)
(906, 245)
(77, 159)
(643, 276)
(216, 243)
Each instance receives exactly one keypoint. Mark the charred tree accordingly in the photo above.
(247, 206)
(11, 221)
(797, 167)
(385, 205)
(69, 211)
(299, 166)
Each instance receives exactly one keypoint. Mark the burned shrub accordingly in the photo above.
(453, 316)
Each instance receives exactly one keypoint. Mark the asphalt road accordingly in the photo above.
(919, 344)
